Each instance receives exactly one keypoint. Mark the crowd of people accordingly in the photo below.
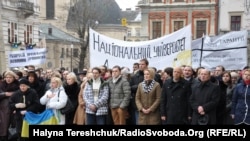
(115, 96)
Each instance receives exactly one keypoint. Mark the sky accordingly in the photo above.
(127, 4)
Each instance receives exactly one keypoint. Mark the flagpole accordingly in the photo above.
(44, 46)
(202, 40)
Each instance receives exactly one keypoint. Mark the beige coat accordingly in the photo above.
(80, 116)
(149, 100)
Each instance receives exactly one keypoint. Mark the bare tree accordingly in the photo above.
(84, 14)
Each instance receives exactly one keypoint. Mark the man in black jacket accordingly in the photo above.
(204, 99)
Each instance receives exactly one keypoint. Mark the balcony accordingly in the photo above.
(26, 8)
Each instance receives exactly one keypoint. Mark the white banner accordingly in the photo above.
(27, 57)
(196, 52)
(229, 50)
(168, 51)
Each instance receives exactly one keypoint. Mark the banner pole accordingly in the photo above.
(202, 40)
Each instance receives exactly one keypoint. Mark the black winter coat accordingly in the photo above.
(207, 95)
(175, 101)
(31, 101)
(72, 91)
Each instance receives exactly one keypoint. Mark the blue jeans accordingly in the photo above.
(95, 120)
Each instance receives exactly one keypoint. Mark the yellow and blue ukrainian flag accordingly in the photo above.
(45, 118)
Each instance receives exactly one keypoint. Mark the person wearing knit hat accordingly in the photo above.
(25, 99)
(24, 81)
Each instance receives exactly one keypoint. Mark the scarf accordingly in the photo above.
(247, 82)
(148, 85)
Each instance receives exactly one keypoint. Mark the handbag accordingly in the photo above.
(68, 108)
(12, 133)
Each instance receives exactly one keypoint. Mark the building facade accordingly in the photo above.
(62, 48)
(131, 19)
(234, 15)
(162, 17)
(53, 16)
(54, 12)
(19, 27)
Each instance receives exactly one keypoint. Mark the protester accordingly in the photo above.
(147, 99)
(175, 107)
(120, 93)
(7, 88)
(23, 100)
(241, 100)
(55, 98)
(96, 97)
(204, 100)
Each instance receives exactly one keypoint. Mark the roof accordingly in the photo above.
(131, 15)
(57, 34)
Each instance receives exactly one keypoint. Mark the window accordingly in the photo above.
(156, 30)
(129, 33)
(75, 52)
(235, 23)
(137, 32)
(12, 32)
(62, 53)
(178, 25)
(68, 53)
(200, 28)
(28, 34)
(50, 31)
(50, 9)
(157, 1)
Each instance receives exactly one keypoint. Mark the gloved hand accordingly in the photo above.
(20, 105)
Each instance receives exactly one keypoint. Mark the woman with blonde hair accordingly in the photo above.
(148, 99)
(72, 90)
(55, 98)
(80, 116)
